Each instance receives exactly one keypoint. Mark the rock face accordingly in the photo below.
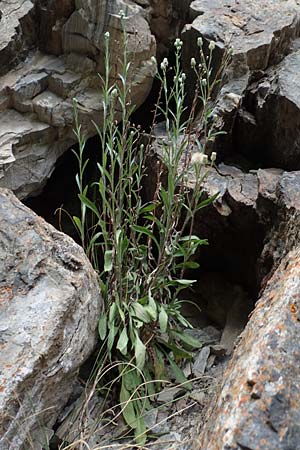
(49, 309)
(259, 405)
(51, 52)
(259, 101)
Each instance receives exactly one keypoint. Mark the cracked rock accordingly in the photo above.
(49, 308)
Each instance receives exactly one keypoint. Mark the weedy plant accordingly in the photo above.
(142, 250)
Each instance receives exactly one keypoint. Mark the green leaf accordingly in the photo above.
(151, 307)
(139, 352)
(102, 327)
(163, 320)
(177, 351)
(127, 407)
(140, 312)
(90, 205)
(122, 342)
(93, 240)
(108, 260)
(131, 379)
(159, 365)
(188, 265)
(112, 312)
(179, 375)
(77, 222)
(111, 336)
(140, 434)
(187, 339)
(147, 208)
(144, 230)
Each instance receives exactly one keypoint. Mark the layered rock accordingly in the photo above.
(50, 65)
(49, 309)
(258, 102)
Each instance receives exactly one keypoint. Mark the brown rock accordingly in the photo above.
(259, 405)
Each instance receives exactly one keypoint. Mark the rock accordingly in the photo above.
(168, 394)
(50, 304)
(199, 365)
(41, 72)
(261, 84)
(273, 99)
(259, 406)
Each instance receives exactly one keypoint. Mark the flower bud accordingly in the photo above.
(212, 46)
(164, 64)
(213, 157)
(106, 35)
(193, 63)
(199, 41)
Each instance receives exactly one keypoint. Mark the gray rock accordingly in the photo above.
(41, 72)
(49, 308)
(200, 362)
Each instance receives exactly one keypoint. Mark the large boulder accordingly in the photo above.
(51, 52)
(259, 404)
(49, 309)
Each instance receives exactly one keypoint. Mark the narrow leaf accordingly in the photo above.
(122, 342)
(139, 352)
(179, 375)
(102, 327)
(163, 320)
(108, 260)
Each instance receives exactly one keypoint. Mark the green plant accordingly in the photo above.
(142, 250)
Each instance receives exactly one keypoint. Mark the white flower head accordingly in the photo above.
(199, 158)
(199, 41)
(212, 46)
(204, 82)
(213, 157)
(106, 35)
(164, 64)
(183, 76)
(178, 43)
(193, 63)
(153, 60)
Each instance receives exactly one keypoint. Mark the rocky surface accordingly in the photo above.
(261, 90)
(50, 53)
(49, 309)
(259, 405)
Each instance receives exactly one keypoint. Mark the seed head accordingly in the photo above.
(199, 158)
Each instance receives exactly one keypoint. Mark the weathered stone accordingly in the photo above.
(50, 304)
(259, 405)
(200, 362)
(44, 85)
(267, 126)
(258, 102)
(17, 32)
